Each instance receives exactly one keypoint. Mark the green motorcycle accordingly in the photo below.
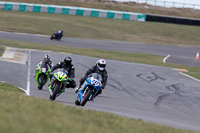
(42, 75)
(58, 83)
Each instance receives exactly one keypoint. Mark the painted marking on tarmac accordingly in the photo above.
(9, 53)
(190, 77)
(15, 55)
(11, 61)
(22, 89)
(181, 70)
(28, 75)
(164, 60)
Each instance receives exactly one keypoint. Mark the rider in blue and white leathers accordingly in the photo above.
(98, 68)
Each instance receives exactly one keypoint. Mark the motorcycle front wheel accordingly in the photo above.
(55, 91)
(86, 97)
(41, 81)
(51, 37)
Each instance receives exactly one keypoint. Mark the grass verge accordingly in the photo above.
(22, 114)
(114, 55)
(100, 28)
(195, 75)
(2, 49)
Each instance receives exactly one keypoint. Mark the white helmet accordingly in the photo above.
(101, 64)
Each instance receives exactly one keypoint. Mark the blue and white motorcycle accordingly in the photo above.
(89, 89)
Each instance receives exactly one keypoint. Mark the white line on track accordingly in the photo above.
(189, 76)
(22, 89)
(17, 87)
(28, 75)
(164, 60)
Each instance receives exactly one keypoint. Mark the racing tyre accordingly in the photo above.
(51, 37)
(41, 81)
(55, 91)
(86, 97)
(77, 102)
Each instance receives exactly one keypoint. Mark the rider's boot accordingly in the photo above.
(62, 89)
(50, 87)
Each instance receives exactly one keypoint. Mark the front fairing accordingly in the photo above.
(58, 36)
(89, 82)
(61, 76)
(42, 69)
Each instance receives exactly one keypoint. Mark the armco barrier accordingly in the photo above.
(13, 6)
(174, 20)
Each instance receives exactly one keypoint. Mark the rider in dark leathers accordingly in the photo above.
(69, 67)
(98, 68)
(58, 35)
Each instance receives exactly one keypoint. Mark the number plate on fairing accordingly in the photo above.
(95, 82)
(43, 70)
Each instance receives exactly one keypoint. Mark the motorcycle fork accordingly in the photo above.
(52, 84)
(85, 91)
(61, 85)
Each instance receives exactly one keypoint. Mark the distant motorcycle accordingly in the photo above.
(58, 82)
(42, 75)
(56, 36)
(89, 89)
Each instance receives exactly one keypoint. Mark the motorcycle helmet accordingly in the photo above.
(101, 64)
(68, 60)
(46, 58)
(60, 31)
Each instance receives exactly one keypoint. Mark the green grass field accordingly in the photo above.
(100, 28)
(23, 114)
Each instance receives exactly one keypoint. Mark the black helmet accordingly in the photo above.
(68, 60)
(46, 57)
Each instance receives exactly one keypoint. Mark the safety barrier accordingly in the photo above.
(173, 20)
(13, 6)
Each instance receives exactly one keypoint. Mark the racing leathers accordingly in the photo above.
(59, 34)
(95, 69)
(49, 63)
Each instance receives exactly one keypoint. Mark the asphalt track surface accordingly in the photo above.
(178, 54)
(151, 93)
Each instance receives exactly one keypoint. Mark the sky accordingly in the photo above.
(170, 3)
(185, 1)
(179, 1)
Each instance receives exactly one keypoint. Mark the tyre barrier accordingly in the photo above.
(173, 20)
